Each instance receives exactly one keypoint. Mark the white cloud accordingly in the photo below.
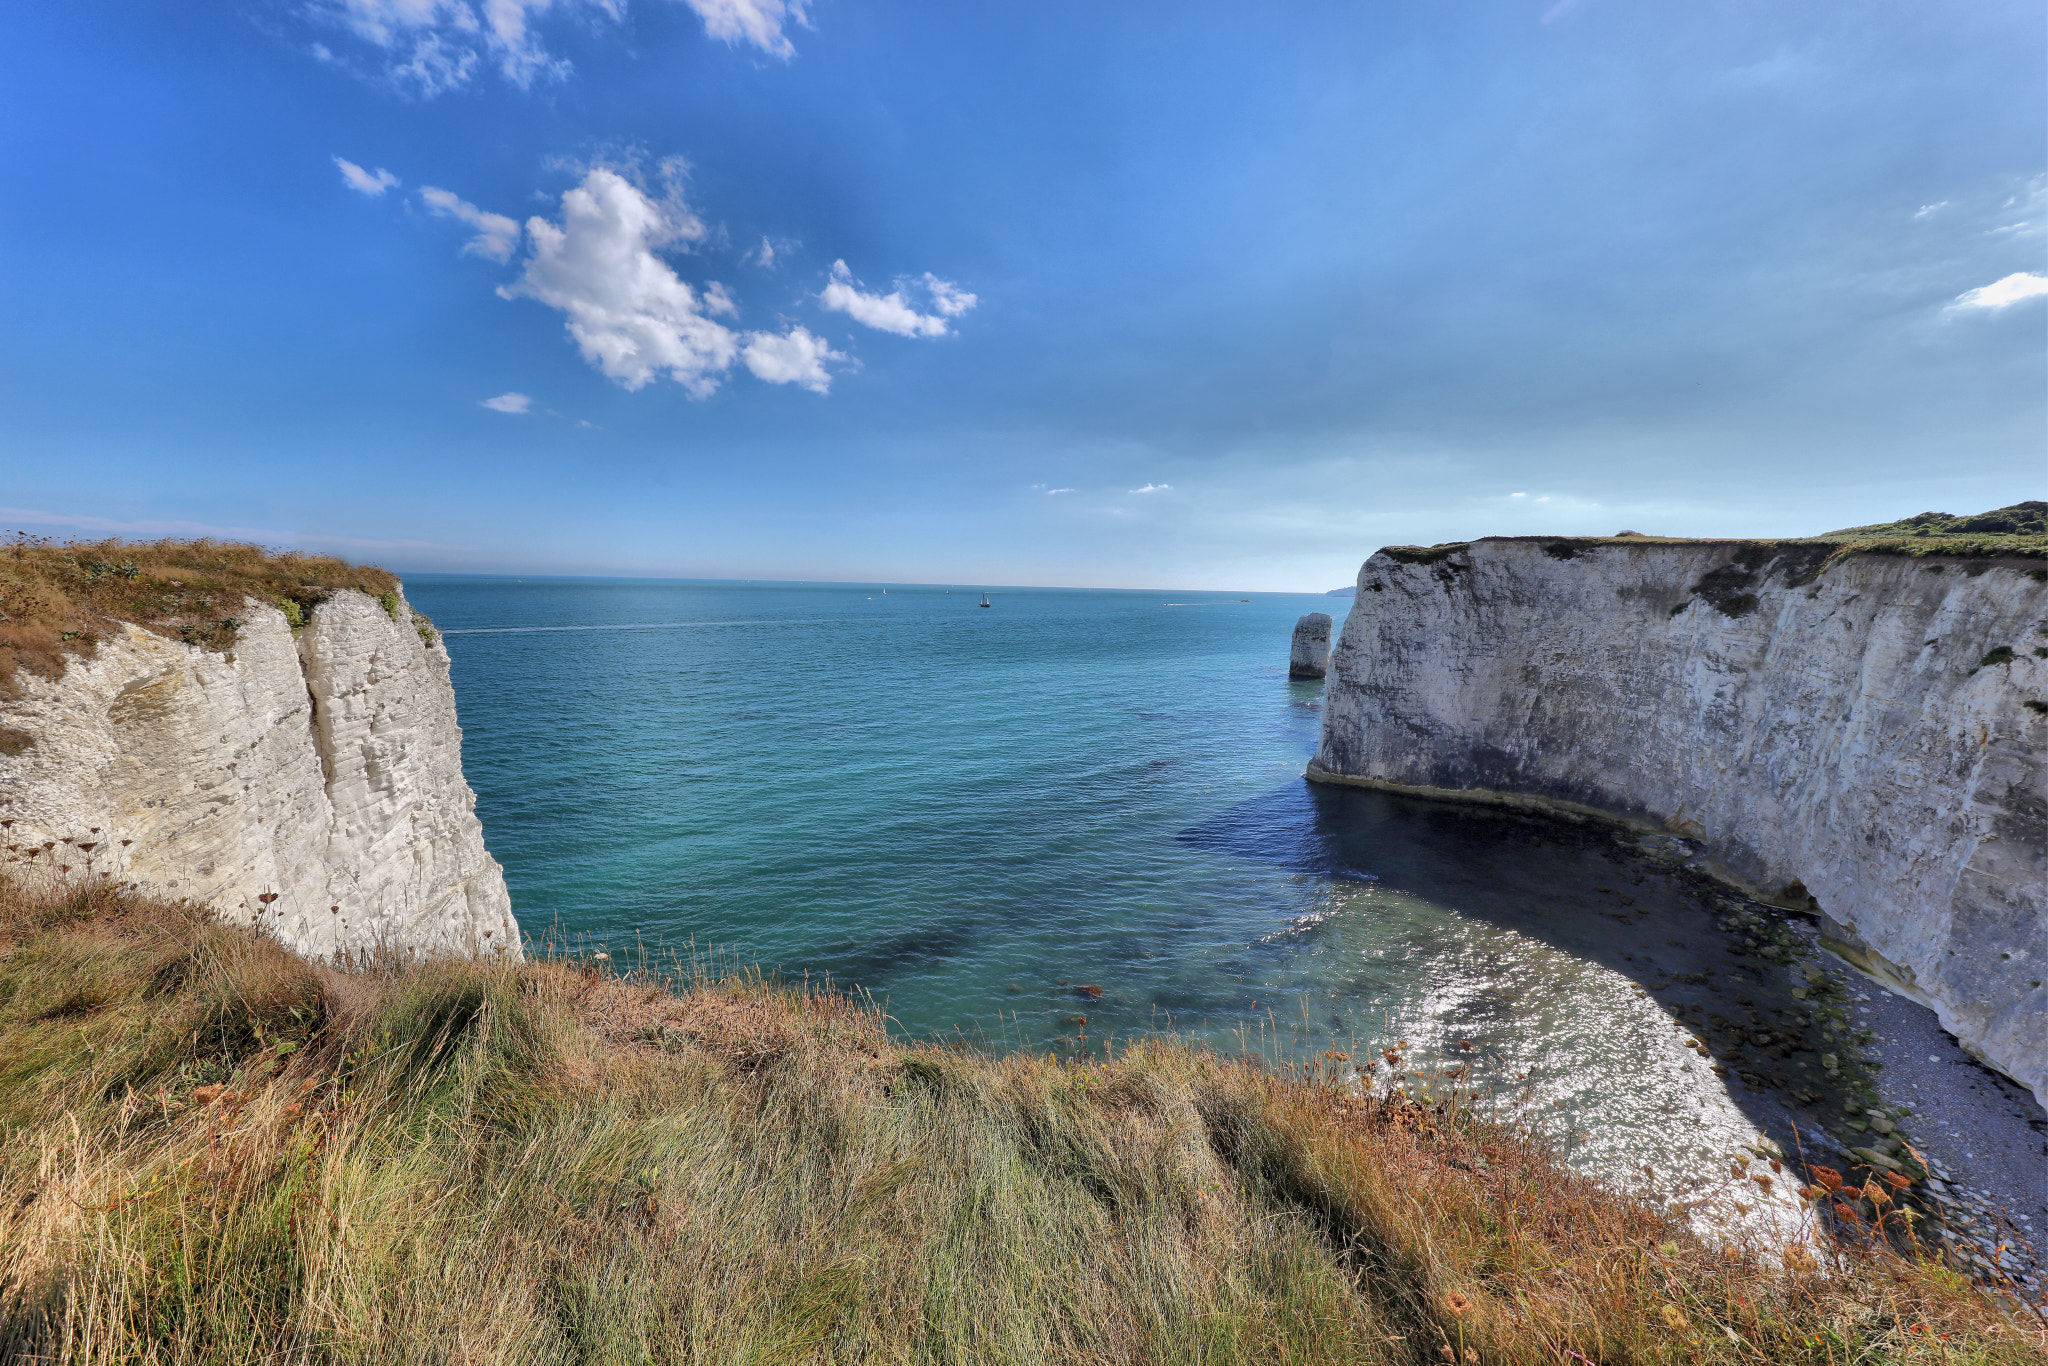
(2002, 293)
(1929, 210)
(516, 404)
(496, 235)
(371, 183)
(891, 312)
(771, 252)
(795, 357)
(716, 300)
(1518, 495)
(629, 313)
(1153, 488)
(433, 46)
(1050, 492)
(947, 298)
(752, 21)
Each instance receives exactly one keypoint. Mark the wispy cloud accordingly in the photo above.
(892, 312)
(2003, 293)
(1050, 492)
(430, 47)
(496, 235)
(1153, 488)
(1929, 210)
(516, 404)
(371, 183)
(758, 22)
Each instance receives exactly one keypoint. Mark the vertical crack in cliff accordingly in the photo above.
(316, 716)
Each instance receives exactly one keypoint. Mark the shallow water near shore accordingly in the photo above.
(1076, 816)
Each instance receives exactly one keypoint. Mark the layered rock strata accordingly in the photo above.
(1310, 656)
(308, 781)
(1856, 736)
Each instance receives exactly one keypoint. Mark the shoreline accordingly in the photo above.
(1867, 963)
(1982, 1133)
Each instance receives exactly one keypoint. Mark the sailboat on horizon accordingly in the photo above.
(985, 602)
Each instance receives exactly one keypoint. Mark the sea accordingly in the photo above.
(1071, 819)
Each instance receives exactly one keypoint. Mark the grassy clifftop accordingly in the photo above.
(58, 598)
(2020, 530)
(213, 1151)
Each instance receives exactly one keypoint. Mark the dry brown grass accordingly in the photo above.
(211, 1150)
(58, 599)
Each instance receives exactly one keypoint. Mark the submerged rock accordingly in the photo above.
(1310, 657)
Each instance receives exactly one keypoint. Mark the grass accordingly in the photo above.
(2019, 531)
(214, 1151)
(58, 599)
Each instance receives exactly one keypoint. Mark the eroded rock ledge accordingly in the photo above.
(310, 781)
(1857, 736)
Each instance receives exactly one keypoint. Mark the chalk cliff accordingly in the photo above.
(1860, 735)
(309, 781)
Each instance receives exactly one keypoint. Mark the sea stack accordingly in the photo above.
(1310, 657)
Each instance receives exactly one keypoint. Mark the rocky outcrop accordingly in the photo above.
(1310, 657)
(1859, 735)
(309, 781)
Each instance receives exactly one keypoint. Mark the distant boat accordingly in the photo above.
(985, 602)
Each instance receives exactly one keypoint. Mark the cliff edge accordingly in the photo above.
(1853, 733)
(296, 764)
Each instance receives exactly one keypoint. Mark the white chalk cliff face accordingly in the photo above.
(321, 770)
(1854, 739)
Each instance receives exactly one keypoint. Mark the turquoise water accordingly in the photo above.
(976, 815)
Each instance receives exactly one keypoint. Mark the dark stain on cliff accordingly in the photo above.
(1727, 589)
(1423, 554)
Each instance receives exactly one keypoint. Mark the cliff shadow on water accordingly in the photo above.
(1595, 974)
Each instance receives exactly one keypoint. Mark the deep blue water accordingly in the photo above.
(973, 814)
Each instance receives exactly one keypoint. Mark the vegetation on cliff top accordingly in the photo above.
(2020, 530)
(212, 1150)
(58, 599)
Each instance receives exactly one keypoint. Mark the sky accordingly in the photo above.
(1143, 295)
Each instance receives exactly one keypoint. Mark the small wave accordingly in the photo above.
(618, 626)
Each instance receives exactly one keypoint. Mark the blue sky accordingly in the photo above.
(1143, 295)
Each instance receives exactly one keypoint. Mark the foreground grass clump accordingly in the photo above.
(58, 599)
(211, 1150)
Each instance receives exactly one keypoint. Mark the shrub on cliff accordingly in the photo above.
(213, 1151)
(58, 599)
